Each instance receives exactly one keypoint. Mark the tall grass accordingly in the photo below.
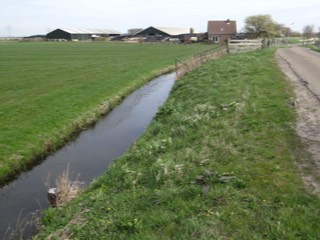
(49, 91)
(217, 162)
(67, 189)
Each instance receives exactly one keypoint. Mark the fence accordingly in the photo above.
(233, 46)
(276, 42)
(308, 42)
(198, 59)
(244, 45)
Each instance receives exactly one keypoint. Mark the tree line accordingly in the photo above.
(264, 26)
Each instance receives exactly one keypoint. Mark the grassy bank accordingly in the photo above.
(217, 162)
(317, 49)
(50, 90)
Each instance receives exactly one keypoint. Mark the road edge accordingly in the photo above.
(307, 106)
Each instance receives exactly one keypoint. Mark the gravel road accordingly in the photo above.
(306, 65)
(302, 68)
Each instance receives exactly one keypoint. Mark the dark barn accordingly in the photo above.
(165, 31)
(80, 34)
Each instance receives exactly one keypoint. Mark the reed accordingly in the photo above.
(68, 189)
(25, 226)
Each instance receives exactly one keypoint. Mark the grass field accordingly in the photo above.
(49, 90)
(217, 162)
(294, 40)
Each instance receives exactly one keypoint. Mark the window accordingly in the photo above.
(215, 39)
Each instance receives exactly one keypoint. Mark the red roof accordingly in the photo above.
(222, 27)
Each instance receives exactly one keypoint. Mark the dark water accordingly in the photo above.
(89, 155)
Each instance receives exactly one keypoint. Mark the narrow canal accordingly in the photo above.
(89, 155)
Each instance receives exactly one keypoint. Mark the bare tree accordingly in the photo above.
(308, 31)
(281, 30)
(259, 25)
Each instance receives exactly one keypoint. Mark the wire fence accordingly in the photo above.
(182, 67)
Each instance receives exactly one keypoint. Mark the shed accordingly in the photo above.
(220, 31)
(80, 34)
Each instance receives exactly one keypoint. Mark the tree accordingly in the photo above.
(281, 30)
(295, 34)
(259, 25)
(308, 31)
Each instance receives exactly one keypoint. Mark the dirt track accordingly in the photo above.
(302, 67)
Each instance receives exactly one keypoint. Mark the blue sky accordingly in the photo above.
(29, 17)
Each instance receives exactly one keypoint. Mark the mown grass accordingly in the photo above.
(217, 162)
(50, 90)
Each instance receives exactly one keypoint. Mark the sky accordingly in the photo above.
(31, 17)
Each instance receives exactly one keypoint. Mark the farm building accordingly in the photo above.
(80, 34)
(166, 31)
(220, 31)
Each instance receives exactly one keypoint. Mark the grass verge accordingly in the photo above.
(317, 49)
(50, 91)
(217, 162)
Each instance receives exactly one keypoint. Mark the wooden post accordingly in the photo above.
(53, 195)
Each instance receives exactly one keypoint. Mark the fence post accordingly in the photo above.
(53, 195)
(228, 45)
(177, 68)
(176, 65)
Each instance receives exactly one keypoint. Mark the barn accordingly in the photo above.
(80, 34)
(166, 31)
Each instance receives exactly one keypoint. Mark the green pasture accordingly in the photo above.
(50, 90)
(294, 40)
